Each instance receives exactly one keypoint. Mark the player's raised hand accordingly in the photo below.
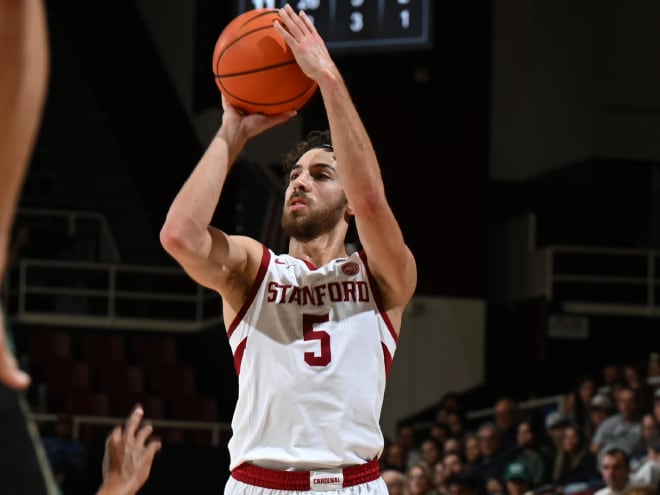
(305, 42)
(129, 454)
(245, 126)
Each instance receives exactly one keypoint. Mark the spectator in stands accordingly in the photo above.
(494, 456)
(530, 450)
(583, 392)
(656, 404)
(454, 463)
(420, 480)
(623, 428)
(633, 377)
(430, 451)
(518, 478)
(648, 472)
(555, 422)
(507, 417)
(68, 457)
(462, 484)
(631, 374)
(406, 437)
(611, 375)
(394, 458)
(601, 409)
(653, 368)
(440, 476)
(650, 431)
(453, 445)
(641, 490)
(472, 449)
(615, 471)
(441, 413)
(457, 424)
(574, 461)
(395, 481)
(440, 431)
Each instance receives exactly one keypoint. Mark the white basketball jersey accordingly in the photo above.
(312, 348)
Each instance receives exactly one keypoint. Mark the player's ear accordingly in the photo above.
(348, 214)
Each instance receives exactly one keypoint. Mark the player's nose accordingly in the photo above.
(301, 182)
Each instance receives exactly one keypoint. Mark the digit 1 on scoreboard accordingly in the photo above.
(404, 16)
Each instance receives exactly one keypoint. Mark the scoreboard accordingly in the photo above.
(351, 26)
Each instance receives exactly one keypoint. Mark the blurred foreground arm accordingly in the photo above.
(23, 80)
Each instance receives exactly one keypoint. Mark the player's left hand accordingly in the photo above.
(305, 42)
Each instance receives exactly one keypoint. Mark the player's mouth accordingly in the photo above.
(297, 202)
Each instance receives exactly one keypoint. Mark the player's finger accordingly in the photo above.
(307, 21)
(283, 32)
(133, 422)
(153, 447)
(291, 21)
(114, 437)
(143, 433)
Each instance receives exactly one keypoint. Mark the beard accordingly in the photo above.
(310, 224)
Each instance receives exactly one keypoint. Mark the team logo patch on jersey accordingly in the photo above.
(350, 268)
(323, 481)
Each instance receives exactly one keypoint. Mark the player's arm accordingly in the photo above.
(211, 257)
(23, 81)
(391, 261)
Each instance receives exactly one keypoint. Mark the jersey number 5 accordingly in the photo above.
(311, 358)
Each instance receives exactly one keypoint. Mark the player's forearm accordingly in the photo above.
(23, 81)
(357, 163)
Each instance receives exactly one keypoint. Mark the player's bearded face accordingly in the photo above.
(315, 220)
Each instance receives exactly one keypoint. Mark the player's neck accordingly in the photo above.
(318, 251)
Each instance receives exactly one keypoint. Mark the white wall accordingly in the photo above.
(441, 349)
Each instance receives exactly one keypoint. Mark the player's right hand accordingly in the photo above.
(238, 126)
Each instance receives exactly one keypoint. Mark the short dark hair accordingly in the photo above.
(613, 450)
(313, 139)
(461, 455)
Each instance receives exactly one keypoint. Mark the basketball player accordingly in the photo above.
(312, 332)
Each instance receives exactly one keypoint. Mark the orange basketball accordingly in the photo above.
(255, 69)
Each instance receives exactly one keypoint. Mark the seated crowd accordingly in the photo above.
(604, 439)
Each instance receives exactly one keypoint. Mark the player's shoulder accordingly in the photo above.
(250, 244)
